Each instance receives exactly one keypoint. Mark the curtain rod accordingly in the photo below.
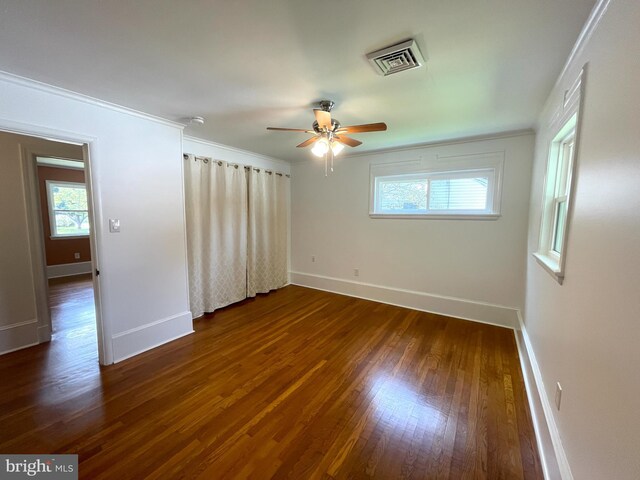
(205, 160)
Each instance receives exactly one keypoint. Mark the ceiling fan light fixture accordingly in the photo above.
(336, 147)
(320, 147)
(329, 136)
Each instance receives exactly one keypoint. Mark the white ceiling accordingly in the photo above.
(249, 64)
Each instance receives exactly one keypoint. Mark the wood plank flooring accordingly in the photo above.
(72, 306)
(296, 384)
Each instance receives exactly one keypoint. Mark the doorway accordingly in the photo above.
(66, 229)
(59, 248)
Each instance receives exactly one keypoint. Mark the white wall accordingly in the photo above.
(136, 165)
(585, 333)
(479, 262)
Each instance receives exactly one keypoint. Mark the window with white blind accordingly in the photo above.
(468, 191)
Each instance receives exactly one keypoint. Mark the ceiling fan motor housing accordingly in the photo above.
(335, 124)
(326, 105)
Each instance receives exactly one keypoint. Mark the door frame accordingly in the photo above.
(36, 233)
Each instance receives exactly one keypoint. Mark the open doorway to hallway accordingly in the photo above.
(66, 229)
(48, 275)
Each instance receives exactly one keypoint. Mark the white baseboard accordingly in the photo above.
(68, 269)
(143, 338)
(19, 335)
(552, 455)
(453, 307)
(44, 333)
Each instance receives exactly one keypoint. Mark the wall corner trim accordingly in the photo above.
(441, 143)
(426, 302)
(589, 27)
(62, 92)
(150, 335)
(552, 455)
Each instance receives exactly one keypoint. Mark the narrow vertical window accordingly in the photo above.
(553, 231)
(559, 179)
(562, 187)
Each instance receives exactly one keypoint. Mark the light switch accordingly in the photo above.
(114, 225)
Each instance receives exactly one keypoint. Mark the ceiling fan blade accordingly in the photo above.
(290, 129)
(369, 127)
(352, 142)
(323, 118)
(308, 142)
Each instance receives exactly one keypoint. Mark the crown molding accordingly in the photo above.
(62, 92)
(209, 143)
(589, 27)
(451, 141)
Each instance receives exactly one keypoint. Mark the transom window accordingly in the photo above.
(464, 192)
(68, 209)
(448, 192)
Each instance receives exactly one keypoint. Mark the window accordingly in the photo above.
(556, 196)
(450, 190)
(565, 159)
(68, 209)
(553, 230)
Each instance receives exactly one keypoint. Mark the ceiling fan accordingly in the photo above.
(329, 136)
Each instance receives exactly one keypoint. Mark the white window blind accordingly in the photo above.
(459, 193)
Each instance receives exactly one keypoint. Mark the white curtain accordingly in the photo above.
(216, 209)
(268, 232)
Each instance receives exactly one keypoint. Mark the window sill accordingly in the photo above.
(67, 237)
(437, 216)
(551, 265)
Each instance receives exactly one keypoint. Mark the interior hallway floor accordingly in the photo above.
(72, 307)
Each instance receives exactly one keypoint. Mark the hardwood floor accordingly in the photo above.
(295, 384)
(71, 304)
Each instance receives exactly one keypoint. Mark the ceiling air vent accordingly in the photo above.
(396, 58)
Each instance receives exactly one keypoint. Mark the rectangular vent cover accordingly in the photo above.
(396, 58)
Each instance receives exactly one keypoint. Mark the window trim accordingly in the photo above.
(464, 166)
(52, 211)
(566, 127)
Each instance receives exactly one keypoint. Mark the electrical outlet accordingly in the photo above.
(558, 395)
(313, 259)
(356, 272)
(76, 256)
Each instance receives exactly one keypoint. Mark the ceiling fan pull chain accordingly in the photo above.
(326, 163)
(331, 160)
